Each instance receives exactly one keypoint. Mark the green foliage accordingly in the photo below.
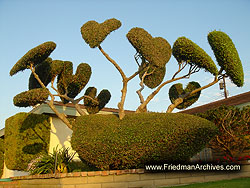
(94, 33)
(33, 57)
(177, 91)
(73, 84)
(154, 77)
(58, 161)
(31, 97)
(187, 51)
(46, 71)
(234, 129)
(138, 139)
(94, 104)
(1, 156)
(26, 137)
(227, 56)
(157, 51)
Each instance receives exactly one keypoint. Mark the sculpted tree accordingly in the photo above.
(44, 71)
(152, 55)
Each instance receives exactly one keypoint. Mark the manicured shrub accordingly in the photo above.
(1, 156)
(26, 137)
(157, 51)
(46, 71)
(233, 123)
(227, 56)
(99, 102)
(155, 76)
(31, 97)
(177, 90)
(186, 50)
(94, 33)
(110, 143)
(34, 56)
(73, 84)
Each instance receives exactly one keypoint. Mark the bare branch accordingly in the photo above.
(51, 102)
(114, 63)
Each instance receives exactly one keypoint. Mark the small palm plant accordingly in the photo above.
(56, 162)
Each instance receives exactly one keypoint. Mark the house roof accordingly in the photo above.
(70, 110)
(236, 100)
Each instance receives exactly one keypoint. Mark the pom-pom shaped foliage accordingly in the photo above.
(33, 57)
(227, 56)
(177, 91)
(94, 33)
(186, 50)
(73, 84)
(27, 137)
(46, 71)
(31, 97)
(98, 103)
(138, 139)
(157, 51)
(154, 76)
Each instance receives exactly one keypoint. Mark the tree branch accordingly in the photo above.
(51, 102)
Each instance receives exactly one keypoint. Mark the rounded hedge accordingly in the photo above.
(187, 51)
(138, 139)
(34, 56)
(227, 56)
(176, 90)
(31, 97)
(157, 51)
(94, 33)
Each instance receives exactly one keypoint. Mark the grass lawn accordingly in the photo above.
(235, 183)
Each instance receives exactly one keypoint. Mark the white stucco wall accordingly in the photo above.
(60, 136)
(12, 173)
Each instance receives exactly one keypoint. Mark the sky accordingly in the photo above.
(28, 23)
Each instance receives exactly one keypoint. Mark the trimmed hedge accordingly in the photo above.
(157, 51)
(34, 56)
(1, 156)
(176, 90)
(227, 56)
(26, 137)
(186, 50)
(94, 33)
(139, 139)
(31, 97)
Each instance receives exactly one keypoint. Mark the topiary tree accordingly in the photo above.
(152, 55)
(45, 71)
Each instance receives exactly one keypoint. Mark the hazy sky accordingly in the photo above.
(28, 23)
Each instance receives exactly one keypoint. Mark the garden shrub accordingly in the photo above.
(146, 138)
(227, 56)
(234, 129)
(1, 156)
(26, 137)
